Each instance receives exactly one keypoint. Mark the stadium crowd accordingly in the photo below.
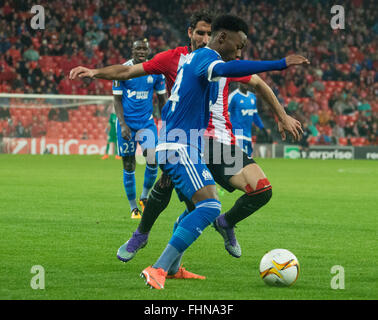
(336, 97)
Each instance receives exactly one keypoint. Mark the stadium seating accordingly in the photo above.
(348, 68)
(343, 141)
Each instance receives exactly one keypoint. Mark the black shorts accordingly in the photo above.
(224, 161)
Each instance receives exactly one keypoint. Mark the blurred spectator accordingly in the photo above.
(38, 128)
(53, 115)
(85, 135)
(4, 113)
(264, 135)
(30, 54)
(3, 134)
(19, 130)
(63, 114)
(343, 105)
(304, 142)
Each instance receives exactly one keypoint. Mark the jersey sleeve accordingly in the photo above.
(245, 79)
(117, 88)
(257, 120)
(159, 63)
(160, 84)
(210, 76)
(205, 63)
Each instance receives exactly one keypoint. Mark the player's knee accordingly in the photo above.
(262, 193)
(159, 196)
(164, 182)
(262, 185)
(266, 195)
(162, 190)
(129, 163)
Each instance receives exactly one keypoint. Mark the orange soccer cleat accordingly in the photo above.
(155, 277)
(182, 273)
(118, 157)
(106, 156)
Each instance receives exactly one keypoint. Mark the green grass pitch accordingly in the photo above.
(69, 214)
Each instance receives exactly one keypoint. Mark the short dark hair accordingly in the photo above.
(229, 22)
(201, 15)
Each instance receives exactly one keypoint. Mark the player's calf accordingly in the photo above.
(246, 205)
(250, 202)
(157, 201)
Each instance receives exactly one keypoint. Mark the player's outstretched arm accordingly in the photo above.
(296, 60)
(241, 68)
(285, 122)
(114, 72)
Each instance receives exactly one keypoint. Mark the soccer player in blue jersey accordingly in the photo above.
(185, 118)
(242, 105)
(135, 124)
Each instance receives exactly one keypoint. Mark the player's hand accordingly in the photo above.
(296, 59)
(292, 126)
(82, 72)
(125, 131)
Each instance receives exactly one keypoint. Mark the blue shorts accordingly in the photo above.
(188, 173)
(245, 145)
(146, 137)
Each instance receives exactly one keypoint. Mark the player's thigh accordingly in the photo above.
(248, 178)
(207, 192)
(192, 179)
(226, 162)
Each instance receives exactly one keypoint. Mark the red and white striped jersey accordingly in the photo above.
(169, 62)
(220, 127)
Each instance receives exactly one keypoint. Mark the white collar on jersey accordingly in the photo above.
(243, 94)
(129, 62)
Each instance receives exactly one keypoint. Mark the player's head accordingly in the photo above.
(199, 30)
(243, 87)
(140, 50)
(229, 36)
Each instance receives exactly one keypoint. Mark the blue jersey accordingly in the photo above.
(194, 90)
(243, 112)
(137, 97)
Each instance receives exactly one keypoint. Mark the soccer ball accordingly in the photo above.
(279, 267)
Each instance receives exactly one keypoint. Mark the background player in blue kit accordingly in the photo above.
(133, 107)
(242, 105)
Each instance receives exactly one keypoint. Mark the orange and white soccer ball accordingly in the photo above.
(279, 267)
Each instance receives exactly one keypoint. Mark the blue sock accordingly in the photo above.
(130, 188)
(191, 227)
(150, 175)
(166, 259)
(188, 230)
(176, 264)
